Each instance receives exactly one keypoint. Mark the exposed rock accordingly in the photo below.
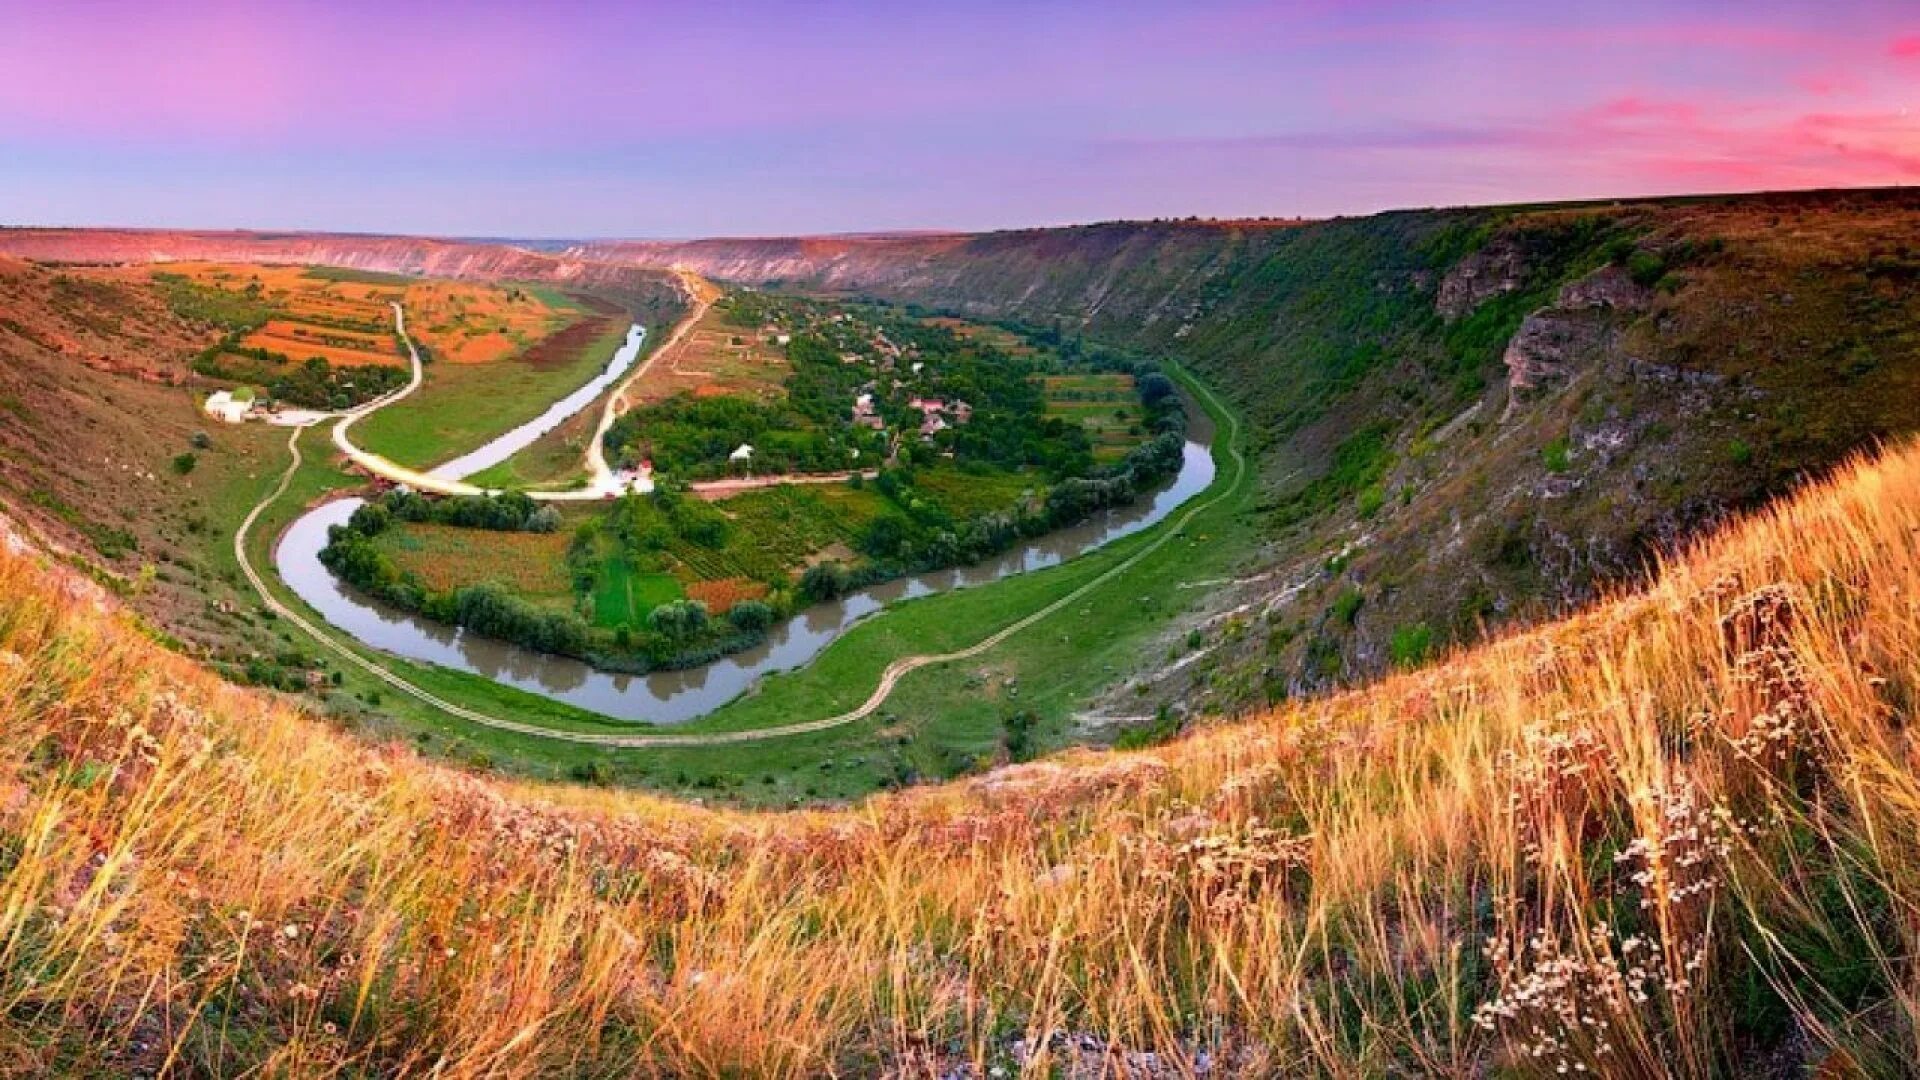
(1578, 326)
(1548, 344)
(1608, 287)
(1493, 270)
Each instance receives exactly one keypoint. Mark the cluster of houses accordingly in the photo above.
(936, 415)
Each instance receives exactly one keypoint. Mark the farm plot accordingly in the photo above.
(716, 359)
(967, 494)
(344, 348)
(1105, 404)
(465, 323)
(624, 594)
(446, 557)
(1001, 339)
(772, 533)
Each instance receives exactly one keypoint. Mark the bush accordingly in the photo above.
(826, 581)
(1372, 498)
(1646, 268)
(1411, 645)
(1346, 606)
(751, 616)
(184, 463)
(1558, 455)
(1019, 728)
(1163, 728)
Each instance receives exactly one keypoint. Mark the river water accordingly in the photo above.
(520, 438)
(673, 697)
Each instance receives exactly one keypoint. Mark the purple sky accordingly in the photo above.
(578, 119)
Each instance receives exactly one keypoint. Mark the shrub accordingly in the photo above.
(1019, 728)
(1411, 645)
(1164, 726)
(1558, 455)
(751, 616)
(1646, 268)
(184, 463)
(1372, 498)
(1346, 606)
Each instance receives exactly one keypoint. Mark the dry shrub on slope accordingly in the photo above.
(1674, 833)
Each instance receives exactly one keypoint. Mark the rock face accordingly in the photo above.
(1576, 327)
(1494, 270)
(1608, 287)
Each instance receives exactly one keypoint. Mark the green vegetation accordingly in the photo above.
(232, 309)
(1411, 645)
(1558, 455)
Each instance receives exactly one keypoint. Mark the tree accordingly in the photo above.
(751, 616)
(825, 581)
(1155, 388)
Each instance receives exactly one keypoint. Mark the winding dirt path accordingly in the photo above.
(702, 294)
(889, 678)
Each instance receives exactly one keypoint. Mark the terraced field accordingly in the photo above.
(1106, 404)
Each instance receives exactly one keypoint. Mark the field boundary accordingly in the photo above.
(889, 678)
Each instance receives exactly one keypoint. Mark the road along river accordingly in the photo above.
(671, 697)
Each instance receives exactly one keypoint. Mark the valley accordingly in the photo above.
(1507, 380)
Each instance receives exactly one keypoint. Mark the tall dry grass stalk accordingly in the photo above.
(1677, 833)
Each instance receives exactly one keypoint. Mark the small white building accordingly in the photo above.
(229, 407)
(741, 455)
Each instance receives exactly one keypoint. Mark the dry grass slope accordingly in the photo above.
(1675, 833)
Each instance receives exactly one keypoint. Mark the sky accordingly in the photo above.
(573, 119)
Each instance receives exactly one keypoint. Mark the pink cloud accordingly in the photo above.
(1906, 48)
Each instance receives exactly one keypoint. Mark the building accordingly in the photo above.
(230, 407)
(864, 414)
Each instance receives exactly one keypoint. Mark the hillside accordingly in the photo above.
(652, 296)
(1672, 832)
(1465, 417)
(104, 452)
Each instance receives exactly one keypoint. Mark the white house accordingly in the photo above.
(229, 407)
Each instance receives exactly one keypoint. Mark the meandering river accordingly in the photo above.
(672, 697)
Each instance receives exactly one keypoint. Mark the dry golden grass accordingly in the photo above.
(1679, 832)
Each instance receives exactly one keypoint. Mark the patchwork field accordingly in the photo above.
(1001, 339)
(476, 324)
(1106, 404)
(285, 315)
